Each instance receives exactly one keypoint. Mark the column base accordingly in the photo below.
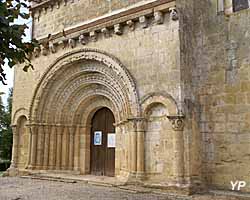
(12, 172)
(140, 176)
(136, 178)
(31, 167)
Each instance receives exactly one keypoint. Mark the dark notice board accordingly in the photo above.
(240, 5)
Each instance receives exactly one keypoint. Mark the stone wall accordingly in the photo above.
(215, 66)
(59, 16)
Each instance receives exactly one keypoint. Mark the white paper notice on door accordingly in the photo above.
(97, 138)
(111, 140)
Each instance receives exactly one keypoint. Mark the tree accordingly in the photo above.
(5, 128)
(12, 49)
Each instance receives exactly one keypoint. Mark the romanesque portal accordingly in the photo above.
(86, 93)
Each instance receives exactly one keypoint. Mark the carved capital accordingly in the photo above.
(138, 123)
(71, 130)
(173, 14)
(59, 130)
(46, 129)
(32, 129)
(177, 122)
(14, 129)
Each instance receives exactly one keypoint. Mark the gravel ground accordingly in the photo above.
(27, 189)
(33, 189)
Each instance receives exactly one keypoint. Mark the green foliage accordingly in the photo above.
(5, 128)
(12, 48)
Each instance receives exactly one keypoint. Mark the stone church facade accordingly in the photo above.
(167, 80)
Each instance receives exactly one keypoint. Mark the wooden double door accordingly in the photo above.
(102, 162)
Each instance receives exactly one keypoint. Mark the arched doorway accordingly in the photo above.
(67, 96)
(102, 146)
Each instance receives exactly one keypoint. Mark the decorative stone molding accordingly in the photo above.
(115, 83)
(118, 29)
(143, 21)
(174, 14)
(177, 122)
(106, 26)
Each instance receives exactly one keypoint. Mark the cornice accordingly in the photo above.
(110, 19)
(107, 25)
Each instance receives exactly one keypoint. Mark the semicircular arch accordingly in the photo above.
(71, 71)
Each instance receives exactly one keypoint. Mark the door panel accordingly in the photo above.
(102, 157)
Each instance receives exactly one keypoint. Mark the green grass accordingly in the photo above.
(1, 173)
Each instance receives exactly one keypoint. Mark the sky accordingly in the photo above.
(10, 72)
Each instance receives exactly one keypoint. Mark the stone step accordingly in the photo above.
(50, 179)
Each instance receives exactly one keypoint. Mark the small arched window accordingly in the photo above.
(240, 5)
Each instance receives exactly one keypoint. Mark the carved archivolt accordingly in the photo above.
(79, 76)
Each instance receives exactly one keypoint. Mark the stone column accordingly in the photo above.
(133, 147)
(71, 148)
(59, 131)
(33, 151)
(14, 159)
(140, 148)
(84, 151)
(77, 149)
(29, 148)
(46, 147)
(40, 146)
(118, 155)
(178, 147)
(52, 148)
(65, 148)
